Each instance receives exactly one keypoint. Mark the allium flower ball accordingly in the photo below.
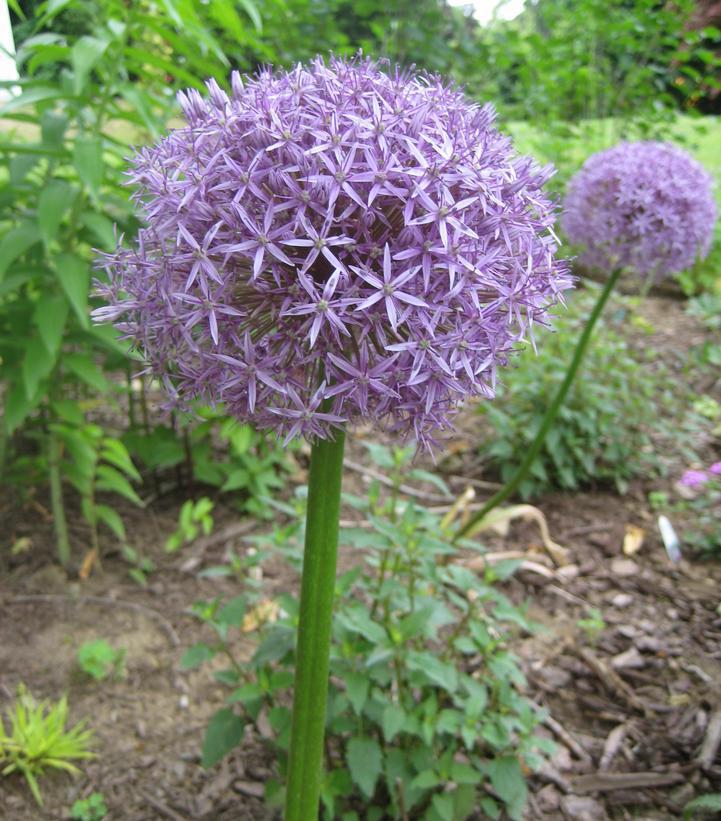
(645, 206)
(334, 243)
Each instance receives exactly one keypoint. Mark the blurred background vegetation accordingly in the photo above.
(99, 76)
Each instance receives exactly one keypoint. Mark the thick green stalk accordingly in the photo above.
(551, 412)
(57, 504)
(314, 630)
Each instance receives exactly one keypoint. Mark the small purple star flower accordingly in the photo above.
(645, 206)
(337, 242)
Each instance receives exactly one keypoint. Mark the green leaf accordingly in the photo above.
(426, 780)
(101, 226)
(111, 519)
(74, 276)
(18, 406)
(356, 686)
(196, 655)
(710, 803)
(223, 734)
(86, 53)
(508, 782)
(88, 160)
(233, 612)
(392, 722)
(444, 806)
(365, 762)
(37, 364)
(50, 315)
(53, 127)
(110, 479)
(115, 452)
(433, 669)
(86, 370)
(28, 98)
(55, 199)
(16, 242)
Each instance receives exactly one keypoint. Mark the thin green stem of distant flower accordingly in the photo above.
(314, 630)
(551, 412)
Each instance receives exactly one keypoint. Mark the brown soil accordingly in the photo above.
(639, 697)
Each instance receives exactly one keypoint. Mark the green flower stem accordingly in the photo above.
(314, 630)
(57, 504)
(551, 412)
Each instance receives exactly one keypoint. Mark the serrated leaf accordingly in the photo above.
(233, 612)
(444, 806)
(196, 655)
(49, 316)
(508, 782)
(426, 780)
(223, 734)
(356, 686)
(73, 274)
(365, 762)
(432, 668)
(392, 721)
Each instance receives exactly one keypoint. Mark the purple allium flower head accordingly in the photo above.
(715, 469)
(694, 478)
(645, 206)
(334, 243)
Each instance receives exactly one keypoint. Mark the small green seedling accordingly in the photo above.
(92, 808)
(194, 518)
(100, 661)
(593, 625)
(38, 739)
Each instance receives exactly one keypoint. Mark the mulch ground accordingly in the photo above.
(635, 706)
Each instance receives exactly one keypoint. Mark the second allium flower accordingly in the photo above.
(334, 243)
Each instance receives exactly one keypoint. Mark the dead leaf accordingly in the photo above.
(266, 612)
(89, 561)
(21, 545)
(633, 539)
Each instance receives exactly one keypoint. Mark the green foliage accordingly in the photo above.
(603, 430)
(702, 806)
(194, 518)
(425, 712)
(92, 808)
(38, 739)
(699, 512)
(100, 660)
(593, 625)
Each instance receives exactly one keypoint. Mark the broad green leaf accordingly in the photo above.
(702, 805)
(444, 805)
(50, 315)
(85, 55)
(20, 166)
(196, 655)
(18, 407)
(101, 226)
(356, 686)
(88, 161)
(109, 478)
(508, 782)
(55, 199)
(365, 762)
(392, 721)
(112, 519)
(426, 780)
(16, 242)
(37, 364)
(74, 276)
(52, 128)
(439, 672)
(86, 370)
(233, 612)
(223, 734)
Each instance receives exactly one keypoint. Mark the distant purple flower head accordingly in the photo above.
(334, 243)
(645, 206)
(715, 469)
(694, 478)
